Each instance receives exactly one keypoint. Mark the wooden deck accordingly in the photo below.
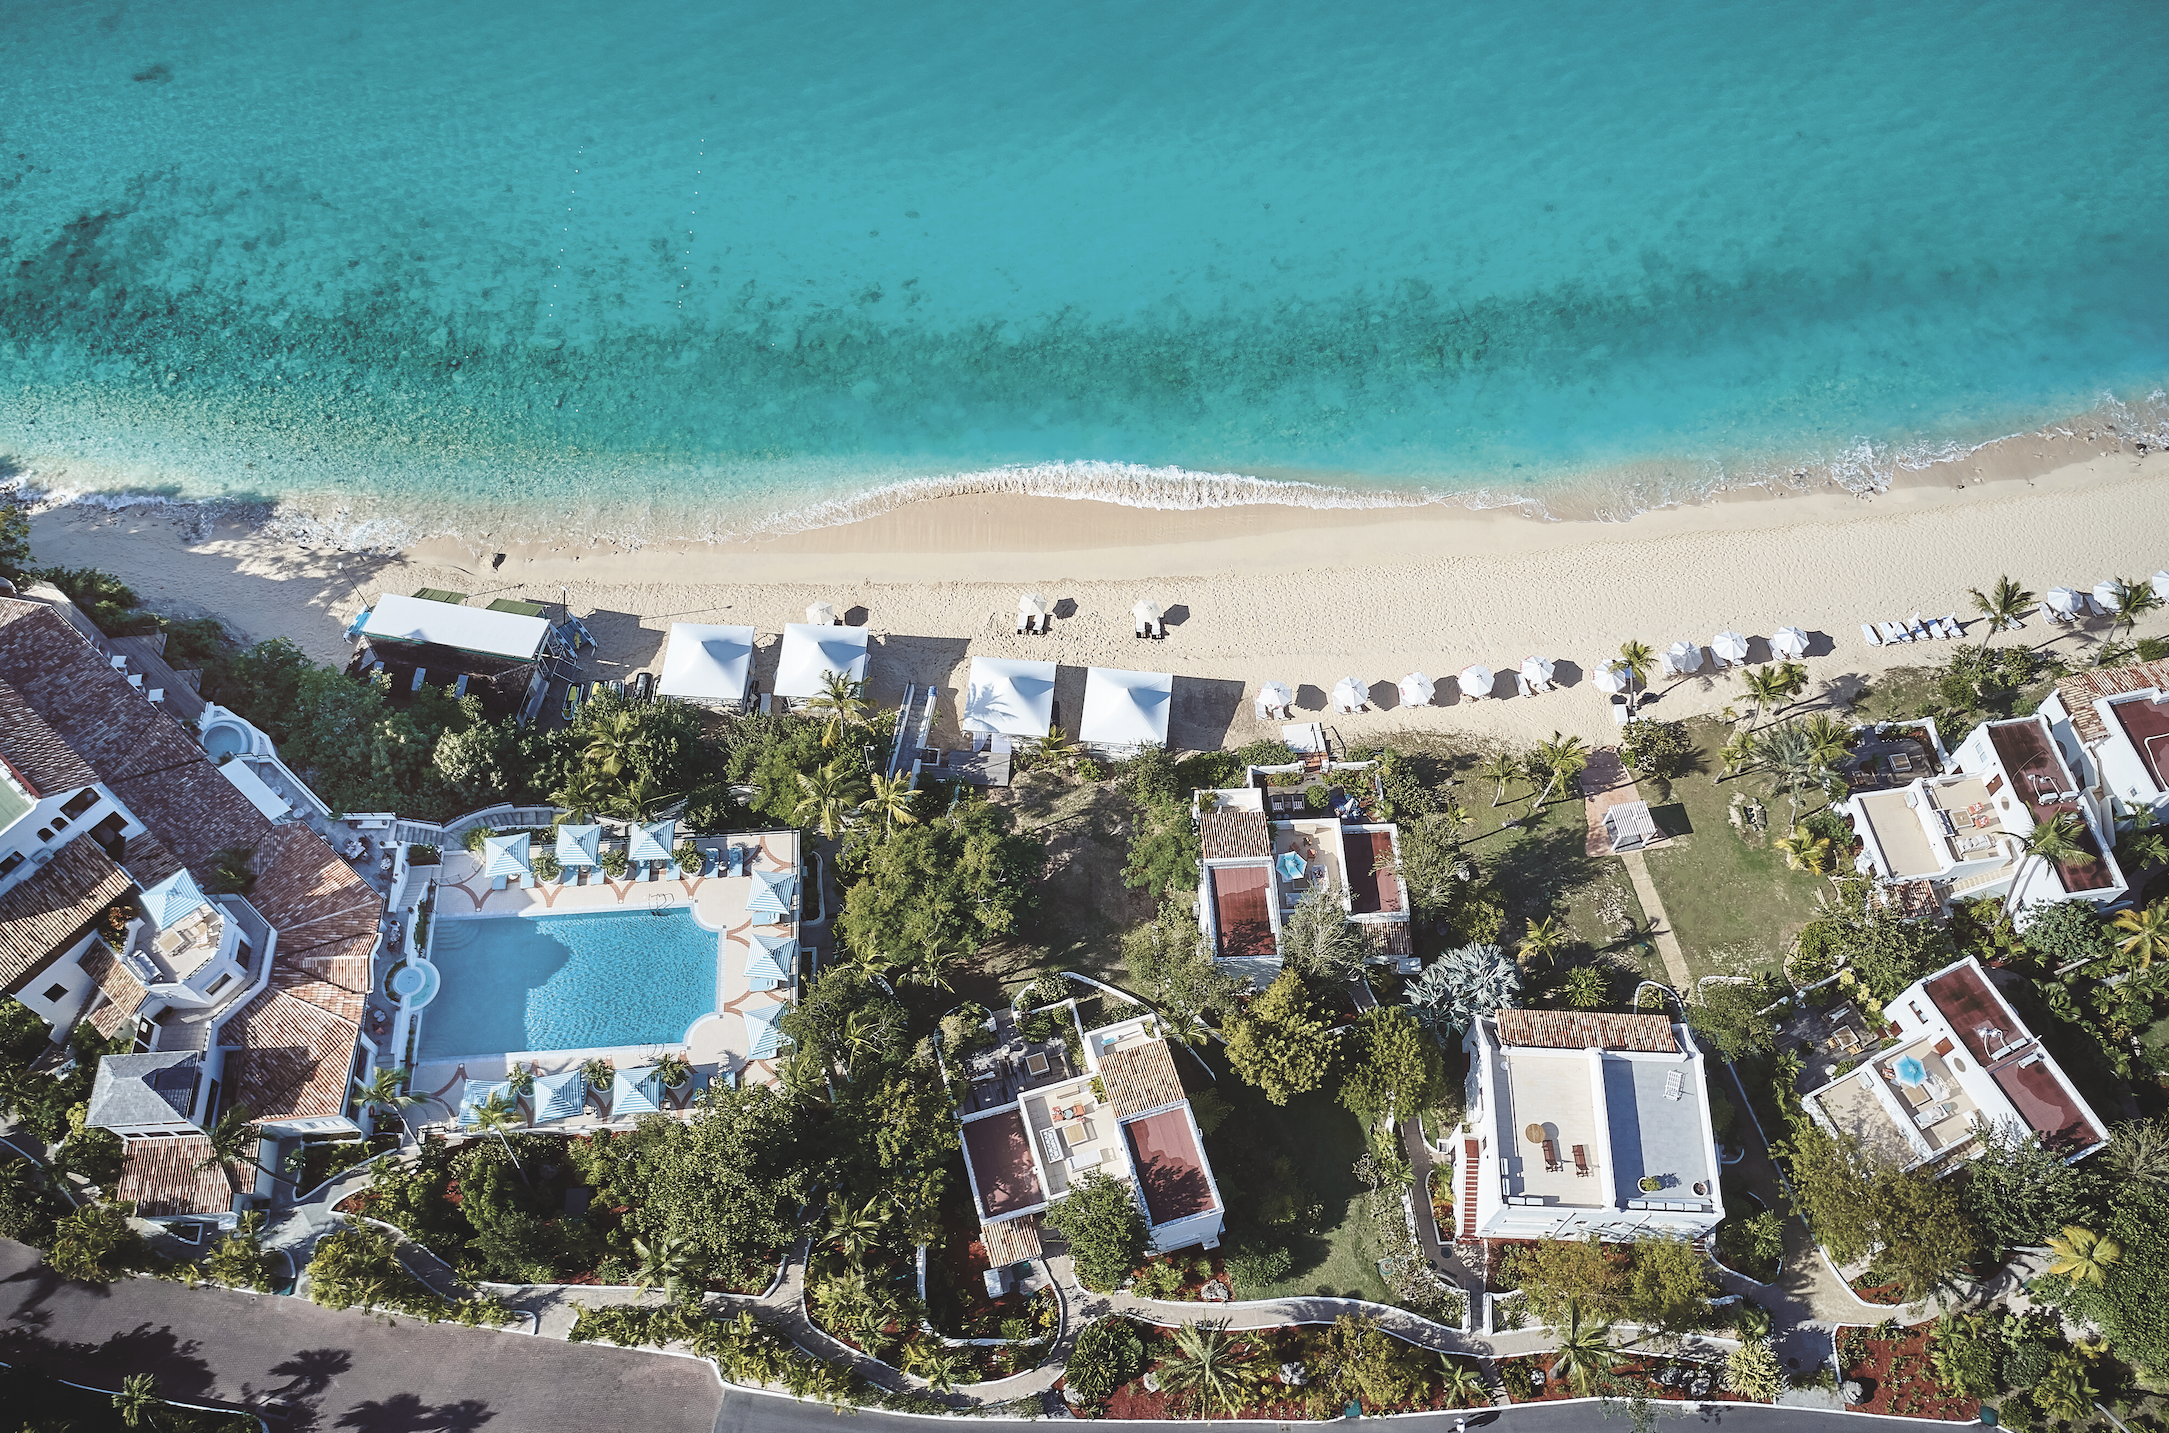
(980, 768)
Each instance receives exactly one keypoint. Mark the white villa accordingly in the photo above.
(2112, 726)
(1963, 834)
(1586, 1125)
(1964, 1063)
(1031, 1124)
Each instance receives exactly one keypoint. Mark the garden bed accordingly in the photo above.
(1391, 1366)
(1635, 1376)
(1877, 1290)
(1892, 1367)
(956, 1293)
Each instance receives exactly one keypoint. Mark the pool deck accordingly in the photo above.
(716, 1045)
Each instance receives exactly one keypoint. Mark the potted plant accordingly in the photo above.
(522, 1081)
(599, 1074)
(673, 1071)
(691, 859)
(613, 862)
(545, 867)
(475, 837)
(1651, 1183)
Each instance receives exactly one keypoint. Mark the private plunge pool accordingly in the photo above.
(568, 982)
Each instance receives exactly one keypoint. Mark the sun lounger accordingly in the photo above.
(1867, 630)
(1915, 631)
(1951, 629)
(1675, 1084)
(1893, 632)
(1551, 1155)
(1581, 1160)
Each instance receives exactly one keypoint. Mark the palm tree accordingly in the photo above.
(673, 1070)
(1208, 1362)
(495, 1115)
(2133, 601)
(1637, 659)
(862, 1032)
(930, 968)
(2081, 1255)
(1462, 1385)
(2138, 1153)
(2002, 605)
(1829, 738)
(138, 1403)
(923, 1358)
(582, 793)
(2064, 1392)
(609, 750)
(854, 1229)
(829, 795)
(1751, 1323)
(1056, 748)
(2148, 933)
(1766, 686)
(1564, 758)
(841, 703)
(2057, 839)
(1793, 759)
(1737, 754)
(1795, 680)
(1543, 937)
(1585, 1354)
(639, 800)
(669, 1262)
(233, 1140)
(1805, 851)
(892, 798)
(387, 1090)
(1500, 770)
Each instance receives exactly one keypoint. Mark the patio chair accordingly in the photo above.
(1581, 1160)
(1551, 1156)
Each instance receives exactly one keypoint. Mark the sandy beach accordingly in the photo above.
(1261, 592)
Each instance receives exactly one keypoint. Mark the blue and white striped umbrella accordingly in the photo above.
(770, 960)
(579, 845)
(634, 1092)
(505, 856)
(762, 1031)
(476, 1094)
(771, 894)
(560, 1096)
(651, 841)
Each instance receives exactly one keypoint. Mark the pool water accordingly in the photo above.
(569, 982)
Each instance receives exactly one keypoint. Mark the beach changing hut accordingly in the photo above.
(1004, 697)
(1124, 711)
(505, 858)
(811, 653)
(707, 665)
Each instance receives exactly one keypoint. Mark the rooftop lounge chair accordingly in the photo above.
(1581, 1160)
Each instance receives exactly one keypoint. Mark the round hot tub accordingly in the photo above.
(414, 984)
(222, 739)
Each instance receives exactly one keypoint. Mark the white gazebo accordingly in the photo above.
(1417, 690)
(1536, 674)
(1788, 643)
(1476, 682)
(1629, 826)
(1006, 697)
(706, 664)
(505, 857)
(1350, 695)
(1683, 658)
(1125, 710)
(1729, 648)
(811, 652)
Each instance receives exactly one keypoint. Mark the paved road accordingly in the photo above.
(340, 1371)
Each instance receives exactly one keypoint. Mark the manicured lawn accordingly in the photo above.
(1734, 906)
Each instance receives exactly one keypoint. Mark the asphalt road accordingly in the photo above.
(331, 1371)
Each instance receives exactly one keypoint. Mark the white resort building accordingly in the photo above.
(1585, 1125)
(1963, 1063)
(2112, 726)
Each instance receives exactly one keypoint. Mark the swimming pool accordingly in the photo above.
(569, 982)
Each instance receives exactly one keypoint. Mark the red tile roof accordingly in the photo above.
(1243, 925)
(1001, 1161)
(46, 913)
(2081, 690)
(1572, 1030)
(1170, 1170)
(165, 1177)
(124, 993)
(290, 1057)
(1225, 833)
(35, 752)
(1140, 1078)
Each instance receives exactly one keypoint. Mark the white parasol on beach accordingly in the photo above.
(2106, 595)
(1789, 643)
(1537, 671)
(821, 614)
(1417, 690)
(1611, 678)
(2062, 599)
(1475, 682)
(2161, 584)
(1146, 611)
(1032, 605)
(1350, 695)
(1729, 647)
(1276, 694)
(1683, 658)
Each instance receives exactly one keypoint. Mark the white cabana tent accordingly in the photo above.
(1417, 690)
(419, 621)
(1476, 681)
(505, 857)
(1006, 697)
(1536, 674)
(579, 846)
(764, 1037)
(768, 964)
(560, 1096)
(650, 841)
(1125, 710)
(1730, 648)
(633, 1092)
(821, 614)
(1610, 678)
(2063, 600)
(706, 663)
(810, 653)
(1789, 643)
(1350, 695)
(1683, 658)
(770, 896)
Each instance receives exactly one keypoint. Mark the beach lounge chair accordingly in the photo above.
(1951, 630)
(1915, 630)
(1581, 1160)
(1551, 1156)
(1867, 630)
(1895, 632)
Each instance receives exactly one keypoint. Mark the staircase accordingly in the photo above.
(1469, 1154)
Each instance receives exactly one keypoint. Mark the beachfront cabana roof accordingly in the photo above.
(1125, 709)
(477, 630)
(770, 894)
(650, 841)
(810, 653)
(764, 1037)
(173, 899)
(579, 845)
(706, 663)
(1009, 698)
(505, 856)
(633, 1092)
(770, 959)
(475, 1094)
(560, 1096)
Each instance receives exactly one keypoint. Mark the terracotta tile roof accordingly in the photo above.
(149, 859)
(165, 1177)
(34, 751)
(1225, 834)
(314, 898)
(148, 759)
(1573, 1030)
(45, 913)
(2082, 689)
(1011, 1241)
(290, 1056)
(124, 993)
(1140, 1078)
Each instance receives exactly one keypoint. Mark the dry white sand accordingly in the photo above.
(1259, 593)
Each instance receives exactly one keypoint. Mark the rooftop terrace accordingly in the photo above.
(2145, 723)
(2041, 781)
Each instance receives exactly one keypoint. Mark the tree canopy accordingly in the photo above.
(1283, 1044)
(1105, 1230)
(955, 883)
(1391, 1067)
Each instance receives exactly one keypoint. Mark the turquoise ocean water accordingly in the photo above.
(696, 268)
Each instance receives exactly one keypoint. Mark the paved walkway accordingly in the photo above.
(1659, 924)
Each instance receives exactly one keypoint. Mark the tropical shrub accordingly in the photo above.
(1108, 1354)
(1106, 1233)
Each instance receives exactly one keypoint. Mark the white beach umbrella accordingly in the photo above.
(2106, 593)
(1417, 690)
(821, 614)
(1475, 681)
(1350, 695)
(1032, 605)
(1537, 671)
(1276, 694)
(1729, 647)
(1683, 657)
(2161, 584)
(1789, 643)
(1146, 610)
(2062, 599)
(1611, 678)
